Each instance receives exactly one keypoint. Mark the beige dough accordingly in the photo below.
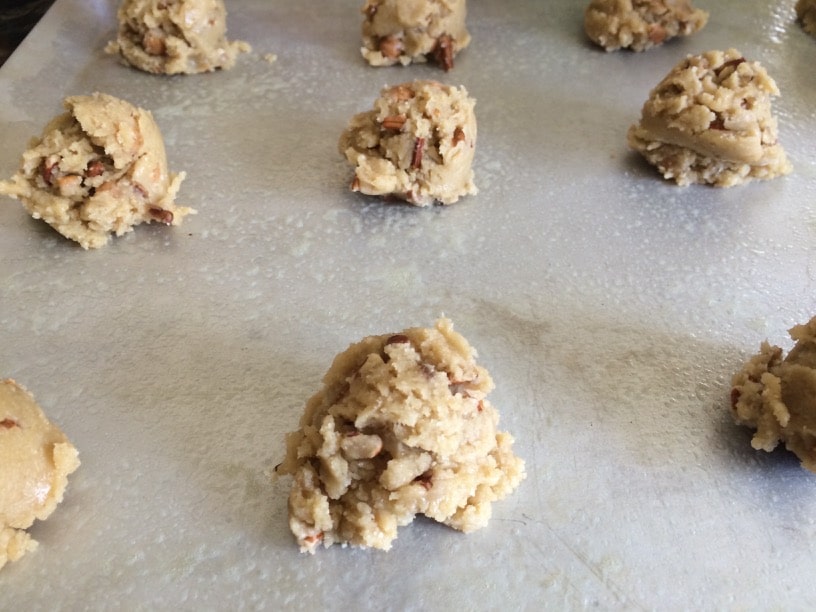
(709, 121)
(401, 426)
(35, 460)
(806, 13)
(406, 31)
(98, 169)
(175, 36)
(777, 396)
(640, 24)
(417, 144)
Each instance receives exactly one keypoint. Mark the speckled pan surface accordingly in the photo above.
(610, 307)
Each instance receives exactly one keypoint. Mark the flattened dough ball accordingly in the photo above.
(777, 397)
(175, 36)
(806, 14)
(402, 426)
(406, 31)
(640, 24)
(98, 169)
(35, 461)
(417, 144)
(710, 121)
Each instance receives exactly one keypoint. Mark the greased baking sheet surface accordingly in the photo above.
(610, 307)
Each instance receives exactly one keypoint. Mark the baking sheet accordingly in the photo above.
(610, 307)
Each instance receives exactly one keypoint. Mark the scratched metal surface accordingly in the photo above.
(611, 309)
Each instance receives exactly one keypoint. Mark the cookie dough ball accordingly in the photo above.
(806, 14)
(35, 461)
(417, 144)
(777, 396)
(175, 36)
(709, 121)
(98, 169)
(640, 24)
(406, 31)
(402, 426)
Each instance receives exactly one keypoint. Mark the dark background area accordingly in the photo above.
(17, 17)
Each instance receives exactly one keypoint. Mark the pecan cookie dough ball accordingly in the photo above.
(640, 24)
(402, 426)
(175, 36)
(406, 31)
(35, 461)
(417, 144)
(777, 397)
(806, 14)
(709, 121)
(98, 169)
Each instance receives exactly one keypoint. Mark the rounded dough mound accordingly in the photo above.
(99, 168)
(401, 427)
(417, 144)
(806, 14)
(175, 36)
(406, 31)
(777, 396)
(709, 121)
(640, 24)
(35, 461)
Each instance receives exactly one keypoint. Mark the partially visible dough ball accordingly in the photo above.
(710, 121)
(806, 13)
(417, 144)
(402, 426)
(35, 461)
(640, 24)
(98, 169)
(406, 31)
(175, 36)
(777, 397)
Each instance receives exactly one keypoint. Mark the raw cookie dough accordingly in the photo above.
(417, 144)
(405, 31)
(99, 168)
(806, 14)
(640, 24)
(401, 427)
(35, 460)
(175, 36)
(709, 121)
(777, 396)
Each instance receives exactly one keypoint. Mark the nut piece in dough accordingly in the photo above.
(35, 460)
(401, 426)
(806, 14)
(99, 168)
(709, 121)
(777, 396)
(175, 36)
(640, 24)
(417, 144)
(406, 31)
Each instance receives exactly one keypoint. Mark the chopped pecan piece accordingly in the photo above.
(355, 184)
(153, 42)
(416, 158)
(9, 423)
(398, 339)
(391, 46)
(394, 122)
(735, 395)
(729, 64)
(95, 168)
(161, 215)
(426, 480)
(458, 136)
(49, 168)
(443, 52)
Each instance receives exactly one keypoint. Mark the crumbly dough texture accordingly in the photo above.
(417, 144)
(175, 36)
(640, 24)
(709, 121)
(777, 396)
(806, 14)
(35, 461)
(401, 426)
(406, 31)
(96, 170)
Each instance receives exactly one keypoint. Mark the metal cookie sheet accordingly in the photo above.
(610, 307)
